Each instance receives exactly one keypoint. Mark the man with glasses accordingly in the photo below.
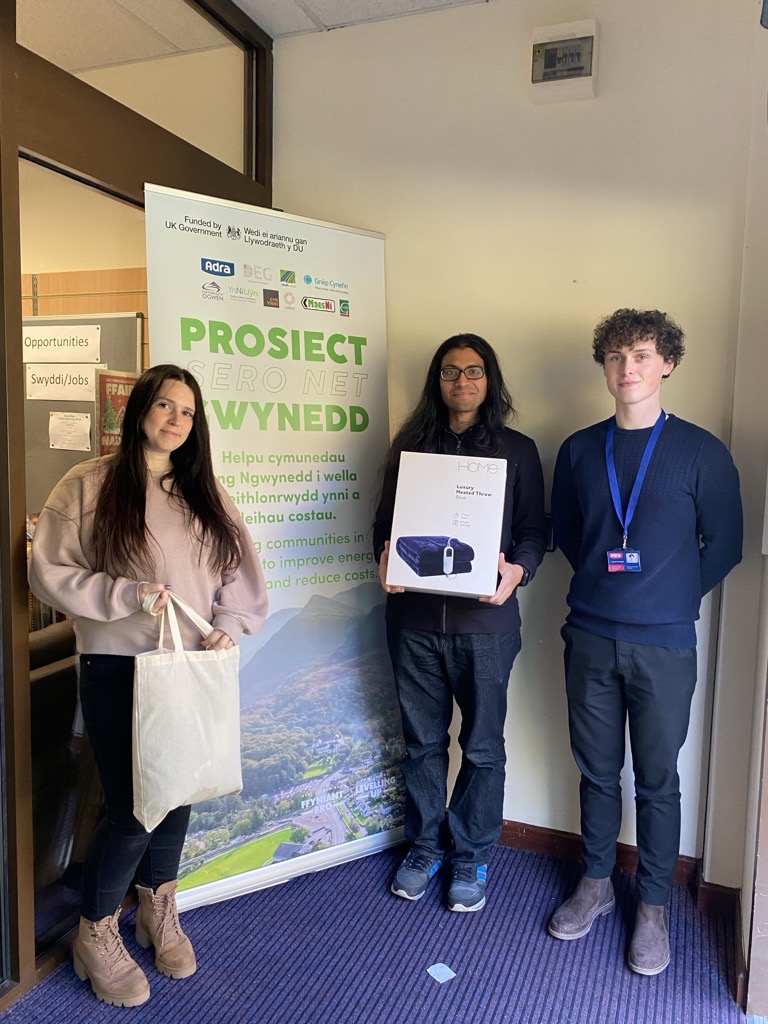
(646, 509)
(445, 647)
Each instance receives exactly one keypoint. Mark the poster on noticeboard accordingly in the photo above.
(112, 391)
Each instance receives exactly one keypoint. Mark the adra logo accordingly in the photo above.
(218, 267)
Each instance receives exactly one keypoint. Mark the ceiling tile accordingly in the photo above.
(177, 22)
(63, 33)
(80, 35)
(336, 13)
(279, 17)
(290, 17)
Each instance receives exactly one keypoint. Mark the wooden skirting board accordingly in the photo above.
(710, 898)
(714, 899)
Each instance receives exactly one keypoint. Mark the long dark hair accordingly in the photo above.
(423, 430)
(120, 541)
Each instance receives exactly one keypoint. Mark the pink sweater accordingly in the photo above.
(106, 611)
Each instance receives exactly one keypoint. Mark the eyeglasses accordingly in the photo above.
(470, 372)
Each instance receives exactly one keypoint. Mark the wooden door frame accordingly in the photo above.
(55, 119)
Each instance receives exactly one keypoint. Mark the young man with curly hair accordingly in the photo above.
(646, 509)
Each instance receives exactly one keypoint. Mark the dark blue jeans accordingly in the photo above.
(609, 682)
(431, 669)
(121, 848)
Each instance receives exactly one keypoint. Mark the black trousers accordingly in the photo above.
(431, 670)
(121, 849)
(610, 682)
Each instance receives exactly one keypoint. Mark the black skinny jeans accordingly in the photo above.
(121, 849)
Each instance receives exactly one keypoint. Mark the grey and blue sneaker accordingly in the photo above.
(414, 874)
(467, 888)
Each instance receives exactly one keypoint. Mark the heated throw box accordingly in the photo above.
(446, 529)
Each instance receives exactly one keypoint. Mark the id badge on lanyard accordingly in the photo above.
(623, 560)
(626, 559)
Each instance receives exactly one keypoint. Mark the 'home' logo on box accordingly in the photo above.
(218, 267)
(477, 466)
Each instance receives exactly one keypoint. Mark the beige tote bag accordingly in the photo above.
(186, 723)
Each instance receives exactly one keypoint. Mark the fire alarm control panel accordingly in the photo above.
(564, 61)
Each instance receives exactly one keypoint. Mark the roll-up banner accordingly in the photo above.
(282, 322)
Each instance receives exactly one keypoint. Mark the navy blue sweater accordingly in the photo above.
(687, 528)
(523, 540)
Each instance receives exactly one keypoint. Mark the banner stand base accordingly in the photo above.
(276, 874)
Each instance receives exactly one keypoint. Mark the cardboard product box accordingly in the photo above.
(446, 531)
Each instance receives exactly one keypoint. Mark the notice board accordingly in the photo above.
(60, 381)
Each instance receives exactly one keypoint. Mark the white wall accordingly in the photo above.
(526, 224)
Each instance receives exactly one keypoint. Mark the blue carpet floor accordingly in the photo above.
(337, 948)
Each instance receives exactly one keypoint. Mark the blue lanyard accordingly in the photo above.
(625, 520)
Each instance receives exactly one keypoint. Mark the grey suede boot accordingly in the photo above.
(649, 949)
(593, 897)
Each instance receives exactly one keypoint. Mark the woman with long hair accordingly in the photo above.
(116, 534)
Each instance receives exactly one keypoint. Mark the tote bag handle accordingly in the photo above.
(204, 627)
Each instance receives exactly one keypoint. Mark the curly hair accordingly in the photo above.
(626, 327)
